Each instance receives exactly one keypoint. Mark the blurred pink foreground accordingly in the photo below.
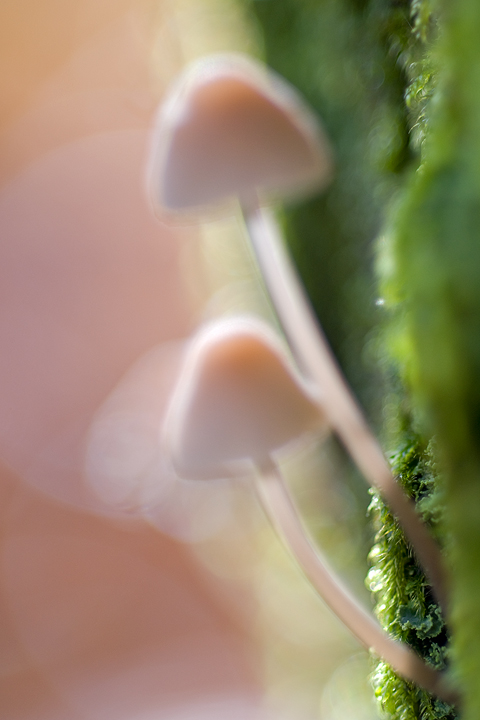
(102, 616)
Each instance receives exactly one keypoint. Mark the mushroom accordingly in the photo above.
(230, 129)
(238, 403)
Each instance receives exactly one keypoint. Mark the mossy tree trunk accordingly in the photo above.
(398, 85)
(436, 253)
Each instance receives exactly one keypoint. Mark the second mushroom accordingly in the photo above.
(238, 403)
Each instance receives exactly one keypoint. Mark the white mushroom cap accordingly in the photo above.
(230, 128)
(238, 399)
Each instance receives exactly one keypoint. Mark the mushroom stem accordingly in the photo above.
(315, 358)
(277, 503)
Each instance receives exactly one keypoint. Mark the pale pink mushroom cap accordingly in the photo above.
(229, 128)
(237, 401)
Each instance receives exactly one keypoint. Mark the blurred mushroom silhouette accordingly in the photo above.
(125, 463)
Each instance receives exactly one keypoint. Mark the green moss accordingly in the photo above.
(404, 602)
(436, 260)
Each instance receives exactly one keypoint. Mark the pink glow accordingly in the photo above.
(101, 618)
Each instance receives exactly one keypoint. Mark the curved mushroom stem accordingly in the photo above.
(313, 355)
(275, 499)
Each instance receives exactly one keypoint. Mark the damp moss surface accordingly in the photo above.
(405, 604)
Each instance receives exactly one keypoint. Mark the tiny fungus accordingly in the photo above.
(237, 403)
(231, 129)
